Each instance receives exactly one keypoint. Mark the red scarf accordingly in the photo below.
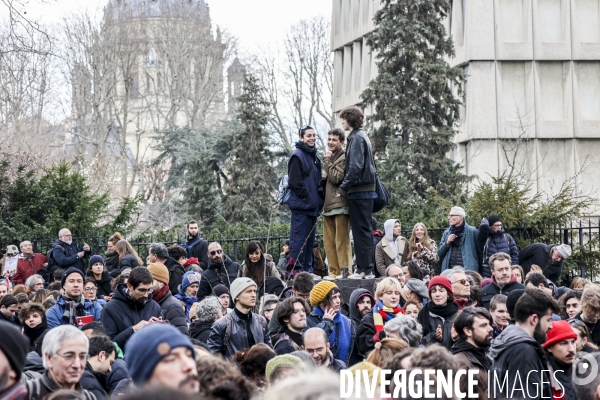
(462, 303)
(158, 296)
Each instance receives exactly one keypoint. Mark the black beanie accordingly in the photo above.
(511, 301)
(68, 272)
(14, 345)
(493, 219)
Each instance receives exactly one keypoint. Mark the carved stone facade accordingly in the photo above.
(532, 83)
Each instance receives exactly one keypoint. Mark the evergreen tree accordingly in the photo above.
(415, 111)
(249, 193)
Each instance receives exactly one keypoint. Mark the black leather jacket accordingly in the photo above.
(359, 172)
(220, 341)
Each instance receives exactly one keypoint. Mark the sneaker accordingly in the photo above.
(358, 275)
(316, 277)
(340, 276)
(330, 277)
(370, 276)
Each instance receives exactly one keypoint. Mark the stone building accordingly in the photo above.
(532, 90)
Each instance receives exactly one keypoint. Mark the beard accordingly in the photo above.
(482, 342)
(192, 235)
(538, 334)
(365, 311)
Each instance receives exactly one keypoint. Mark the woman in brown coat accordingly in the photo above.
(392, 249)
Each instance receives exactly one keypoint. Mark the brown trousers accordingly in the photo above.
(336, 235)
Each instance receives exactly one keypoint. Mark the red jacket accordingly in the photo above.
(28, 266)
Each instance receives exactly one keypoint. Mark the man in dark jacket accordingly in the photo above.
(548, 257)
(361, 303)
(492, 239)
(158, 253)
(169, 305)
(102, 353)
(221, 270)
(195, 246)
(241, 328)
(67, 253)
(131, 307)
(358, 187)
(504, 280)
(304, 172)
(292, 314)
(560, 350)
(474, 328)
(517, 351)
(316, 343)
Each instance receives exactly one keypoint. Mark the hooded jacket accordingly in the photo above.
(540, 254)
(54, 315)
(493, 289)
(304, 183)
(468, 249)
(176, 272)
(388, 249)
(355, 297)
(218, 274)
(123, 312)
(514, 351)
(199, 250)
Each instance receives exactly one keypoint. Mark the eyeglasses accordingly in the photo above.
(463, 282)
(212, 253)
(144, 291)
(91, 289)
(70, 357)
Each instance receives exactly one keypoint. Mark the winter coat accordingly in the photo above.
(364, 335)
(123, 312)
(445, 323)
(199, 251)
(496, 242)
(285, 344)
(540, 254)
(173, 312)
(314, 320)
(200, 330)
(176, 272)
(65, 255)
(355, 296)
(468, 249)
(426, 258)
(284, 260)
(54, 315)
(103, 284)
(237, 340)
(304, 184)
(39, 389)
(493, 289)
(514, 351)
(94, 382)
(333, 171)
(385, 254)
(118, 376)
(359, 171)
(129, 261)
(216, 274)
(27, 267)
(563, 374)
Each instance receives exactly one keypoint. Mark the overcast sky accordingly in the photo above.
(256, 23)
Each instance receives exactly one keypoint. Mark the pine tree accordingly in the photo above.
(415, 111)
(249, 193)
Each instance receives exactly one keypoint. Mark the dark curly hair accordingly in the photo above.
(337, 132)
(253, 362)
(353, 116)
(221, 379)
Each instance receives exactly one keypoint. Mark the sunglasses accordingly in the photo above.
(462, 282)
(212, 253)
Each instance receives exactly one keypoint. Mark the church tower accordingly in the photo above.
(235, 83)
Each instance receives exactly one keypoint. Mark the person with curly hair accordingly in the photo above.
(423, 249)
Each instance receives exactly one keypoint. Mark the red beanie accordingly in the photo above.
(561, 330)
(442, 281)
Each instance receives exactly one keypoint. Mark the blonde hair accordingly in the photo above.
(590, 299)
(413, 239)
(386, 350)
(124, 248)
(386, 284)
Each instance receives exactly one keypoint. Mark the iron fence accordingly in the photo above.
(582, 233)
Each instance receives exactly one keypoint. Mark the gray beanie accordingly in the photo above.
(239, 285)
(564, 250)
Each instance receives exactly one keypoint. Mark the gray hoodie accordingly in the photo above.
(514, 351)
(388, 226)
(355, 296)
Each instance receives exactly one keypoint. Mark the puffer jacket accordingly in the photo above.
(496, 242)
(54, 315)
(359, 172)
(123, 312)
(333, 171)
(515, 352)
(173, 312)
(65, 255)
(237, 339)
(304, 183)
(129, 261)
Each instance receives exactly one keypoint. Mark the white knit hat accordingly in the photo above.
(239, 285)
(564, 250)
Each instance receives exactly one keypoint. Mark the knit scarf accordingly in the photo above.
(459, 232)
(73, 308)
(188, 301)
(311, 151)
(34, 333)
(383, 314)
(444, 311)
(158, 296)
(342, 340)
(462, 303)
(111, 260)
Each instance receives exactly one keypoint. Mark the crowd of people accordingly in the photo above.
(191, 322)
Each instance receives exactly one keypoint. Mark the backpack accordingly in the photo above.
(263, 324)
(190, 247)
(284, 192)
(48, 272)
